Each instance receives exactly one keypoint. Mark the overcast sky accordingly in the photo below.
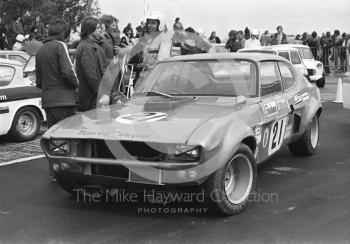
(296, 16)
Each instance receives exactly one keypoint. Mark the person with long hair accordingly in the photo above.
(91, 63)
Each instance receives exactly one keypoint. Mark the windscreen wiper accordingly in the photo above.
(159, 94)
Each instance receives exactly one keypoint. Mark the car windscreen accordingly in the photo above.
(202, 78)
(305, 53)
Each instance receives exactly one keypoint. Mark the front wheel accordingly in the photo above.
(25, 125)
(321, 82)
(306, 145)
(228, 189)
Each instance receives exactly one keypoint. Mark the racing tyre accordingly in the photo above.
(227, 190)
(321, 82)
(25, 125)
(306, 145)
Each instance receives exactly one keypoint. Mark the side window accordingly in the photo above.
(294, 57)
(287, 74)
(284, 55)
(3, 56)
(6, 75)
(270, 80)
(18, 58)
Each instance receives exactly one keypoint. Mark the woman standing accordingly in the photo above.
(91, 62)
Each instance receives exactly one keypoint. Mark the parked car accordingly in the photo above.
(289, 53)
(196, 121)
(315, 68)
(20, 102)
(19, 56)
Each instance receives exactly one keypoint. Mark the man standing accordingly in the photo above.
(38, 28)
(3, 31)
(56, 77)
(279, 37)
(178, 25)
(253, 40)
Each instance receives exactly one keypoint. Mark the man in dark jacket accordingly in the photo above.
(38, 28)
(56, 77)
(3, 31)
(279, 37)
(91, 63)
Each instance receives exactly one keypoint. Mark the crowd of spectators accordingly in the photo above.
(327, 47)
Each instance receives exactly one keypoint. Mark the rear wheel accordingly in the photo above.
(25, 125)
(228, 189)
(306, 145)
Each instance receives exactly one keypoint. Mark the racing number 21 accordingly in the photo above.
(277, 135)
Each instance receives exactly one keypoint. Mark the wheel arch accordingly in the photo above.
(250, 141)
(38, 110)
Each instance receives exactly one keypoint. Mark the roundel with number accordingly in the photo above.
(141, 117)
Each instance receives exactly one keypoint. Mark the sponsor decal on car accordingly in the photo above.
(282, 104)
(266, 137)
(258, 134)
(298, 98)
(305, 96)
(3, 97)
(270, 108)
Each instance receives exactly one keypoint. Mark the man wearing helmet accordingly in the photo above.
(154, 45)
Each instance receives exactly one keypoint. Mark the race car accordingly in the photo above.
(20, 101)
(315, 68)
(202, 121)
(289, 53)
(19, 56)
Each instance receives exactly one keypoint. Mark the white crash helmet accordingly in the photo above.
(20, 38)
(157, 15)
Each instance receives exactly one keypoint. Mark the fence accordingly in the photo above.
(334, 59)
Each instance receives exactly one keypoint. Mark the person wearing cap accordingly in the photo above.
(253, 41)
(33, 45)
(18, 43)
(279, 37)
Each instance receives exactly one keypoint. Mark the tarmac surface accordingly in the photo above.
(297, 200)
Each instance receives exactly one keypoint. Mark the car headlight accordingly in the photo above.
(185, 153)
(59, 147)
(319, 66)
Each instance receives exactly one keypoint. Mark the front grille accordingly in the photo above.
(310, 71)
(101, 150)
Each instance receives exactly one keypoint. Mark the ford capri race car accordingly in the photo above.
(196, 121)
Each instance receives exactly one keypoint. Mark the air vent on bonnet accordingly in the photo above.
(161, 104)
(206, 99)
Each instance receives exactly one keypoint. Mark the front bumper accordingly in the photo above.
(315, 77)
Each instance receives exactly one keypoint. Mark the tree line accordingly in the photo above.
(73, 11)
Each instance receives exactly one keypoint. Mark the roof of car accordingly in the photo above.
(293, 45)
(271, 48)
(257, 57)
(22, 53)
(10, 62)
